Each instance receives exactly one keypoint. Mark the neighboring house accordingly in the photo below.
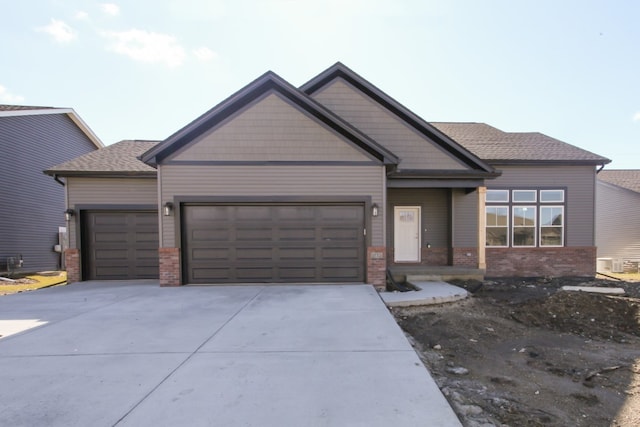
(334, 181)
(32, 204)
(618, 220)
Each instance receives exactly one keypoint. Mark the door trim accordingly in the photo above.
(418, 257)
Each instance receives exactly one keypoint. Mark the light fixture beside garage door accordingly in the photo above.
(168, 208)
(374, 210)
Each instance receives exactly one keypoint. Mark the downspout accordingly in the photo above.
(58, 180)
(600, 169)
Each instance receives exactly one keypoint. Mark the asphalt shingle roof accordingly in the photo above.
(118, 158)
(492, 144)
(625, 178)
(5, 107)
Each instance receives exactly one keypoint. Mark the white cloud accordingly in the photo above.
(110, 8)
(636, 117)
(60, 31)
(145, 46)
(204, 54)
(8, 97)
(81, 15)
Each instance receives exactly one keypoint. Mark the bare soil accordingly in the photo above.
(522, 352)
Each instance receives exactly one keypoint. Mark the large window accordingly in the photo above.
(525, 217)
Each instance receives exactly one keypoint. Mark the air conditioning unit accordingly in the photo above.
(617, 265)
(604, 265)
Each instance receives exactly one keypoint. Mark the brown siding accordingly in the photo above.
(271, 129)
(465, 219)
(271, 181)
(617, 222)
(108, 191)
(415, 150)
(579, 182)
(435, 213)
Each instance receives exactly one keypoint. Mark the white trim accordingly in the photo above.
(68, 111)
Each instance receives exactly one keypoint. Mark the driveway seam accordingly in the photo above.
(181, 364)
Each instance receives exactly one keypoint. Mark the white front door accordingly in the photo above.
(406, 233)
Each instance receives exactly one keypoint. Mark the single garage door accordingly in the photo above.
(120, 245)
(273, 243)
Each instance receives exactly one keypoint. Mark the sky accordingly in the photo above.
(143, 69)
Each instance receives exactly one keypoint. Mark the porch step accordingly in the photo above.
(436, 273)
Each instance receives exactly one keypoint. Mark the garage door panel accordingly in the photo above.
(219, 234)
(251, 234)
(120, 245)
(280, 243)
(210, 254)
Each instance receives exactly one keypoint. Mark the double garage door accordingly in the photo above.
(243, 243)
(120, 245)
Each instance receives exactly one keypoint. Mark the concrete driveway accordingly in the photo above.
(134, 354)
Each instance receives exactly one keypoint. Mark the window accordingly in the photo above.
(497, 226)
(526, 196)
(551, 196)
(524, 226)
(525, 218)
(552, 226)
(493, 196)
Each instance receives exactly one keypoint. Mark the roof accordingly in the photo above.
(120, 159)
(625, 178)
(496, 146)
(27, 110)
(269, 81)
(425, 128)
(5, 107)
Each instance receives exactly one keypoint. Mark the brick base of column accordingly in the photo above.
(72, 265)
(377, 266)
(170, 267)
(465, 257)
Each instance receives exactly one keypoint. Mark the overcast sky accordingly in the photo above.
(142, 69)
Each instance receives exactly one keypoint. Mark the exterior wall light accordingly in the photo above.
(375, 210)
(168, 207)
(68, 214)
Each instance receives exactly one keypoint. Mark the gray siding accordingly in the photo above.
(260, 181)
(32, 203)
(617, 222)
(108, 192)
(435, 213)
(579, 182)
(465, 219)
(414, 150)
(271, 129)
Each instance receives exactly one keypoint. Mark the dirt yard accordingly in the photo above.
(525, 353)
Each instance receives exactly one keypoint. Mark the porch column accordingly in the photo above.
(482, 223)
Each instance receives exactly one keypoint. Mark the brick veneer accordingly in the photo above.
(377, 266)
(465, 257)
(428, 256)
(541, 262)
(170, 267)
(72, 265)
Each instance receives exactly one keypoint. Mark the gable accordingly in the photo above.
(415, 150)
(270, 129)
(248, 96)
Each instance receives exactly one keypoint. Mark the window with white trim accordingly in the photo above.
(524, 226)
(497, 226)
(525, 218)
(551, 225)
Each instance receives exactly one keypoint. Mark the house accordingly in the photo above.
(32, 204)
(617, 220)
(334, 181)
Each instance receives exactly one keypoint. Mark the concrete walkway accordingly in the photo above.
(135, 354)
